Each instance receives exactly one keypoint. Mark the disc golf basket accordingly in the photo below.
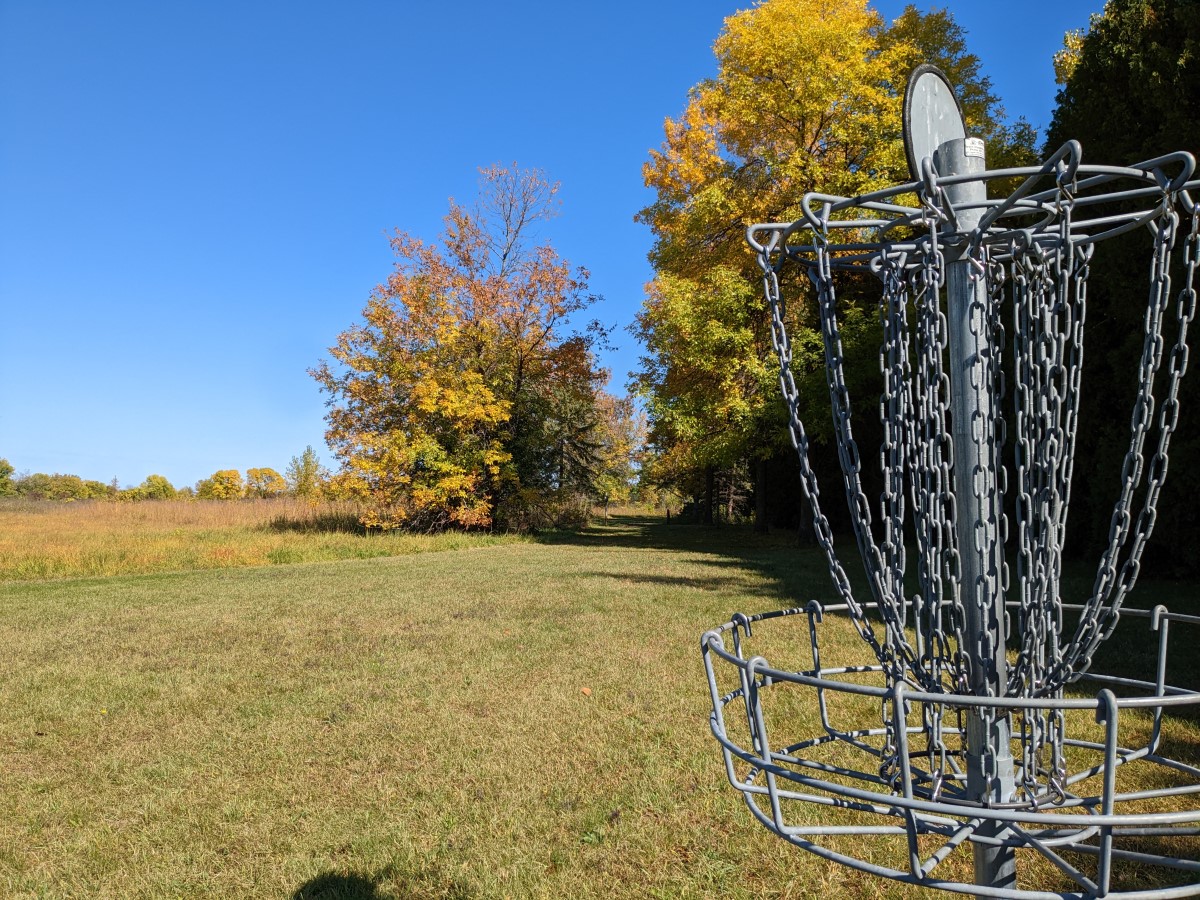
(970, 723)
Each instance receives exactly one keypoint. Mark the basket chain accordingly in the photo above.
(1104, 605)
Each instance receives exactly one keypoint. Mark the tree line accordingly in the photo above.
(304, 477)
(469, 395)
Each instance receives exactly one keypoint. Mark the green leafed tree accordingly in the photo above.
(40, 486)
(706, 377)
(305, 475)
(1130, 91)
(157, 487)
(7, 489)
(1131, 84)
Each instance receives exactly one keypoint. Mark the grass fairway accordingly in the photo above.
(404, 727)
(506, 720)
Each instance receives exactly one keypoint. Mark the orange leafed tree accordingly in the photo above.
(443, 399)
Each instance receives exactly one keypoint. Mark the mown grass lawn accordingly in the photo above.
(403, 727)
(510, 720)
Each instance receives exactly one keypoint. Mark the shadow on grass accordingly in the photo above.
(400, 886)
(772, 565)
(339, 522)
(802, 572)
(339, 886)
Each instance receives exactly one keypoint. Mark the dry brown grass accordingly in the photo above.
(40, 540)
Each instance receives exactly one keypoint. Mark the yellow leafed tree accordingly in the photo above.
(225, 484)
(807, 97)
(264, 483)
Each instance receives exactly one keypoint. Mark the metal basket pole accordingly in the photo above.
(989, 757)
(938, 149)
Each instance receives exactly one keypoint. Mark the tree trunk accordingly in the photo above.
(709, 485)
(806, 536)
(760, 496)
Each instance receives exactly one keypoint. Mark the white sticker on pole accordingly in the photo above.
(973, 147)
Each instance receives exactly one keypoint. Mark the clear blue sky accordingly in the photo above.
(194, 196)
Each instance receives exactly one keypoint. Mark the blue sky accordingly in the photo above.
(194, 197)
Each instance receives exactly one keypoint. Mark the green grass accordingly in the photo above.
(404, 727)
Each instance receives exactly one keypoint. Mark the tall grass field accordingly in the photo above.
(98, 538)
(441, 717)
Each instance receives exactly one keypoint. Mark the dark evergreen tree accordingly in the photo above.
(1131, 92)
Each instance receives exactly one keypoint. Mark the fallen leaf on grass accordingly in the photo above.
(587, 692)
